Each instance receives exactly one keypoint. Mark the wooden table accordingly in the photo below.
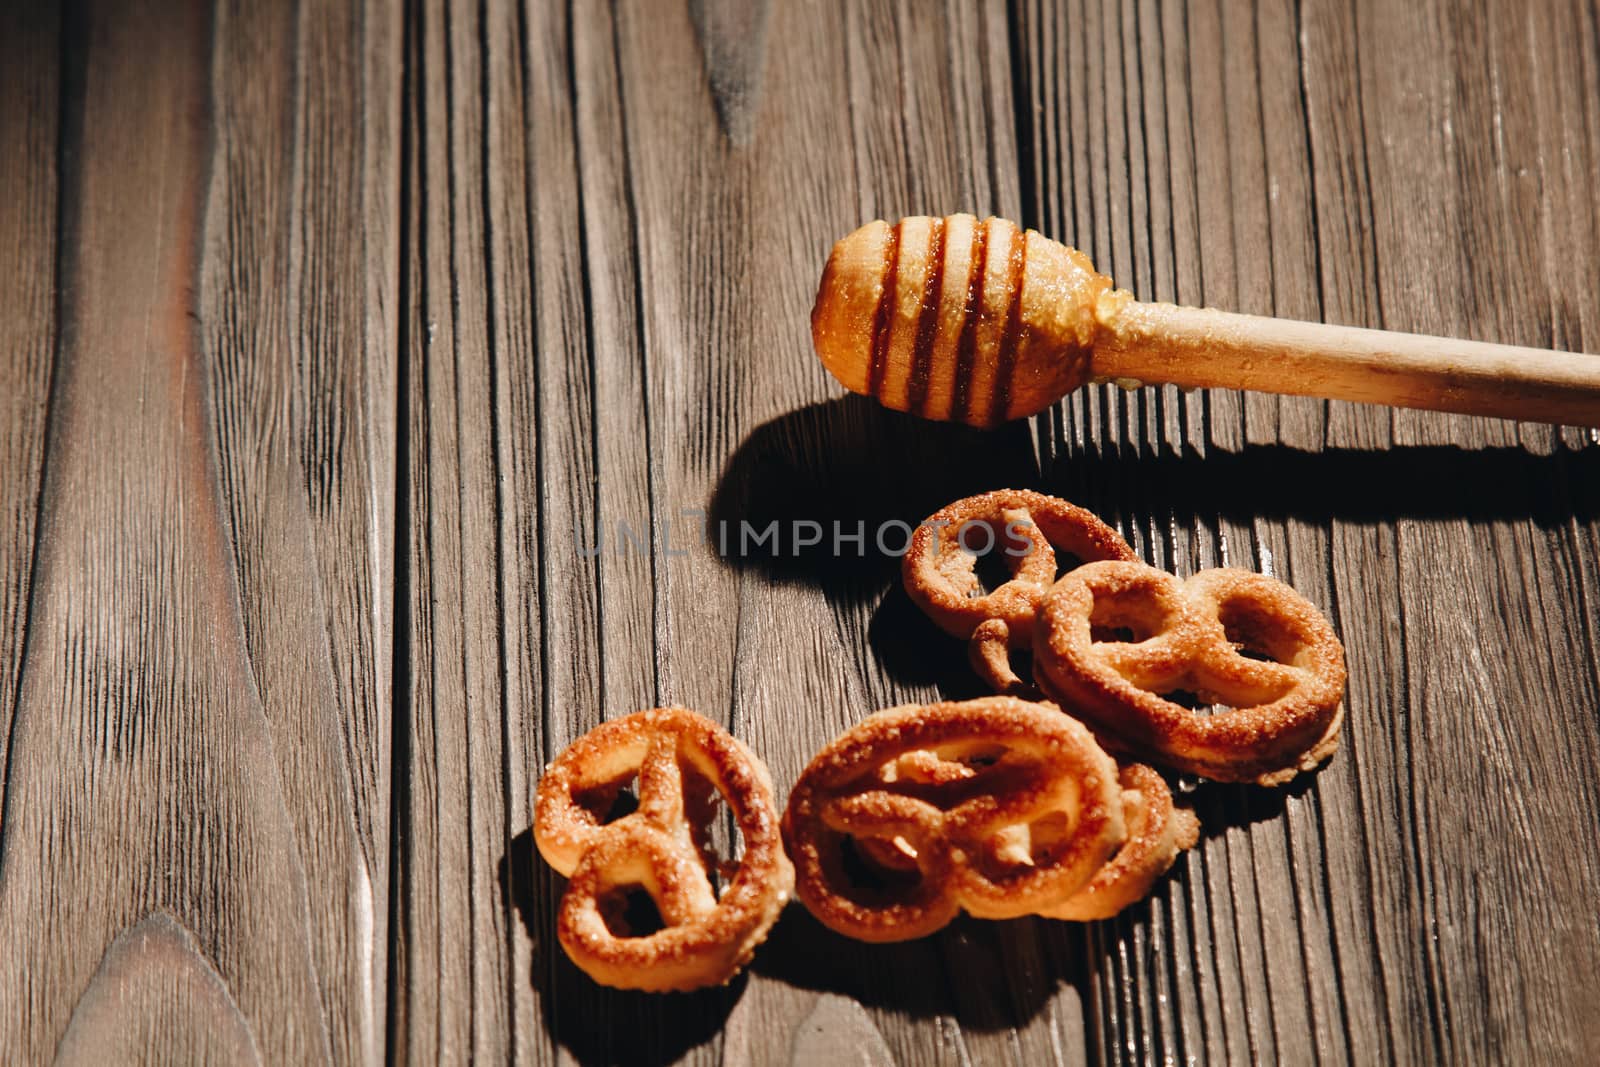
(333, 332)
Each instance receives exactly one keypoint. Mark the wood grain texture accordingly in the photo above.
(1244, 145)
(30, 128)
(193, 857)
(126, 1017)
(389, 394)
(474, 582)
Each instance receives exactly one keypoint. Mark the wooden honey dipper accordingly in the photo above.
(977, 322)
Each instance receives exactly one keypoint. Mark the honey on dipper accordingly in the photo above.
(980, 322)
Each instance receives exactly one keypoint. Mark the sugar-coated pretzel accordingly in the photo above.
(996, 805)
(1157, 833)
(1283, 711)
(989, 652)
(682, 762)
(1027, 528)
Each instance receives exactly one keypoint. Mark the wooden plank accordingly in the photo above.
(647, 216)
(30, 132)
(671, 176)
(1302, 931)
(530, 502)
(600, 545)
(1362, 858)
(200, 743)
(299, 315)
(729, 240)
(1494, 697)
(476, 444)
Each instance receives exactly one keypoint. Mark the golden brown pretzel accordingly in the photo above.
(1027, 528)
(682, 761)
(1157, 832)
(1283, 712)
(996, 805)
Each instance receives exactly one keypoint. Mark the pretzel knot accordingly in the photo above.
(998, 806)
(683, 763)
(1114, 640)
(1027, 529)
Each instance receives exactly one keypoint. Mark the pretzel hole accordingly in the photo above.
(993, 570)
(608, 803)
(878, 866)
(716, 832)
(630, 911)
(1066, 562)
(1048, 834)
(996, 554)
(1018, 850)
(1255, 635)
(888, 853)
(1125, 617)
(962, 768)
(977, 758)
(723, 851)
(1193, 701)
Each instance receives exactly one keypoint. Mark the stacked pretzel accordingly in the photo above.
(1114, 640)
(997, 806)
(1000, 806)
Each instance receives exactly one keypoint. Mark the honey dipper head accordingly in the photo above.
(957, 319)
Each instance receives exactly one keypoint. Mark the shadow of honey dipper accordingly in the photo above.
(849, 464)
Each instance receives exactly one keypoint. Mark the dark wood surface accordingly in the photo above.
(334, 332)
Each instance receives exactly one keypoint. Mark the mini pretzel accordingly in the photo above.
(1157, 832)
(996, 805)
(1283, 713)
(1028, 527)
(682, 761)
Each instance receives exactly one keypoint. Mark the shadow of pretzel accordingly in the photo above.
(848, 464)
(595, 1023)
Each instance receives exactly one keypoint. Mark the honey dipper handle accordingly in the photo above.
(1197, 347)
